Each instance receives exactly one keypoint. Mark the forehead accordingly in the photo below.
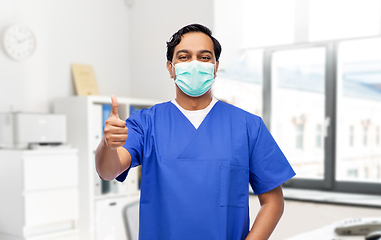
(195, 41)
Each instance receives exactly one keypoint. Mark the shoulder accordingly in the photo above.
(161, 106)
(145, 115)
(239, 113)
(153, 109)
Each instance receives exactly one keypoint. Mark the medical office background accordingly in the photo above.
(310, 68)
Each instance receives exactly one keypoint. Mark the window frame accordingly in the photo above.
(329, 182)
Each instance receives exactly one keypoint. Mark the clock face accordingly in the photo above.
(19, 42)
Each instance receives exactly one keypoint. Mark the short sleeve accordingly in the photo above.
(134, 143)
(269, 168)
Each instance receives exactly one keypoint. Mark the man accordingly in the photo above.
(198, 154)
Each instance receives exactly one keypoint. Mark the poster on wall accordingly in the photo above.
(84, 80)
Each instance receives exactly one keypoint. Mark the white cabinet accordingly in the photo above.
(109, 222)
(39, 194)
(101, 202)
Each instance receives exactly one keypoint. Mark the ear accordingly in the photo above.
(169, 68)
(216, 68)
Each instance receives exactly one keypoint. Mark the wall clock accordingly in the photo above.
(19, 42)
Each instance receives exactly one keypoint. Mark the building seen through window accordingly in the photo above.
(351, 132)
(322, 71)
(240, 83)
(299, 136)
(318, 136)
(359, 110)
(298, 106)
(365, 135)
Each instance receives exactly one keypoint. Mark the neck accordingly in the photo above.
(193, 103)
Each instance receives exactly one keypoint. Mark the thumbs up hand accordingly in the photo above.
(115, 131)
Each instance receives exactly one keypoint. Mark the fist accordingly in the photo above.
(115, 131)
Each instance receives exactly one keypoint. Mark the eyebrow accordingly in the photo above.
(205, 51)
(181, 51)
(187, 51)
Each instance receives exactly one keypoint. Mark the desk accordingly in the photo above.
(324, 233)
(348, 199)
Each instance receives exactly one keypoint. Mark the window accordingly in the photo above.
(358, 105)
(365, 135)
(240, 82)
(297, 106)
(351, 136)
(299, 136)
(352, 173)
(321, 93)
(318, 136)
(330, 92)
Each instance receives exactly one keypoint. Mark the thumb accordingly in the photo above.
(115, 105)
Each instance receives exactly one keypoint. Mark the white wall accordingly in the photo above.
(229, 22)
(152, 23)
(126, 45)
(93, 32)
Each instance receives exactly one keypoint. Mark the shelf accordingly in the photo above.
(85, 120)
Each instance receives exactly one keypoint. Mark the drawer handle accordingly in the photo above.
(113, 204)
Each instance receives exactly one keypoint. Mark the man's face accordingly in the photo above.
(193, 46)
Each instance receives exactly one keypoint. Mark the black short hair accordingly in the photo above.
(176, 38)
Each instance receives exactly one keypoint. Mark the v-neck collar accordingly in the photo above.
(183, 111)
(177, 137)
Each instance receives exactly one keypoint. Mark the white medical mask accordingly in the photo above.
(194, 78)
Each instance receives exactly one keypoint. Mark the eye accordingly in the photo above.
(183, 57)
(205, 58)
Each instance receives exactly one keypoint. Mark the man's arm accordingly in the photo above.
(272, 205)
(111, 159)
(110, 163)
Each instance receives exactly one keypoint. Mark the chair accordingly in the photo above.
(131, 220)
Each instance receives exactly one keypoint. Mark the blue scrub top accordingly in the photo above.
(195, 182)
